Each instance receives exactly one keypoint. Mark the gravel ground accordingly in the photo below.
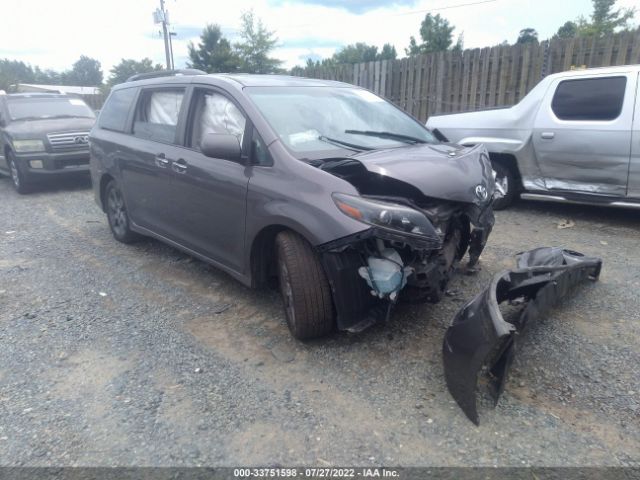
(141, 355)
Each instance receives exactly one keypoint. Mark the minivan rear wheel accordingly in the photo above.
(304, 287)
(117, 214)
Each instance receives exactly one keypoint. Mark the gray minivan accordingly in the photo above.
(331, 191)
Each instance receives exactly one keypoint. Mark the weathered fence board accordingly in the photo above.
(446, 82)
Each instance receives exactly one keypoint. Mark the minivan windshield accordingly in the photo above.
(319, 121)
(34, 108)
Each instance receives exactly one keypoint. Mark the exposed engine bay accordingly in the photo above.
(418, 231)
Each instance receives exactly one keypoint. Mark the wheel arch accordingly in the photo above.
(262, 256)
(104, 181)
(509, 161)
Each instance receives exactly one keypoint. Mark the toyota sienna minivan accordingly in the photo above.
(347, 202)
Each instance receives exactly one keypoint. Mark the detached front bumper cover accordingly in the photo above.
(481, 340)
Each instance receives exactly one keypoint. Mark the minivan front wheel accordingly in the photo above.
(304, 287)
(117, 214)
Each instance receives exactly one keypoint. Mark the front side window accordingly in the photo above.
(116, 110)
(587, 99)
(157, 115)
(315, 122)
(215, 113)
(38, 107)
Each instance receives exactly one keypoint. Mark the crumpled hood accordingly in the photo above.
(443, 171)
(40, 128)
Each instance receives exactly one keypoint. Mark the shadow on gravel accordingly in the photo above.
(71, 183)
(617, 216)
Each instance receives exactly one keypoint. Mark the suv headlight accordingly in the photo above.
(391, 216)
(28, 146)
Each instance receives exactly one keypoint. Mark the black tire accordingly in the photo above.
(304, 287)
(117, 214)
(17, 177)
(505, 179)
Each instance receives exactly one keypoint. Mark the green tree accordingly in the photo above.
(605, 20)
(13, 72)
(47, 76)
(436, 33)
(388, 52)
(85, 71)
(255, 45)
(214, 53)
(528, 35)
(356, 53)
(568, 30)
(128, 67)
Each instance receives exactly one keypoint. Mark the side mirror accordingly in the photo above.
(221, 145)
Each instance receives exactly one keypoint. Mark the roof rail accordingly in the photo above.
(165, 73)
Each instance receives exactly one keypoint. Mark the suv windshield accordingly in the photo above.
(23, 108)
(318, 121)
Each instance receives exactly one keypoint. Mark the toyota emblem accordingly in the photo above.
(80, 140)
(481, 192)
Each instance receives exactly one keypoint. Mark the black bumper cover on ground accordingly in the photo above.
(480, 339)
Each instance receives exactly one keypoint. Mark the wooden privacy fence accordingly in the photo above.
(497, 76)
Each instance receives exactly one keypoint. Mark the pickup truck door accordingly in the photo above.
(582, 133)
(633, 189)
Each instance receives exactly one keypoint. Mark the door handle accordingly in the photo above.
(547, 135)
(162, 161)
(179, 166)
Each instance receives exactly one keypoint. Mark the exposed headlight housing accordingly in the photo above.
(390, 216)
(28, 146)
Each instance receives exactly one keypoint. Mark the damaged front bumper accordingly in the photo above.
(481, 340)
(429, 261)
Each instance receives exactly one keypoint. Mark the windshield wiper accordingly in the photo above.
(340, 143)
(388, 135)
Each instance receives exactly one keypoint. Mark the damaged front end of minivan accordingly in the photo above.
(425, 208)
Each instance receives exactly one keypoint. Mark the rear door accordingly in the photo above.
(211, 193)
(582, 134)
(146, 167)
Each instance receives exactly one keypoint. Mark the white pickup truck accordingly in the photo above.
(574, 138)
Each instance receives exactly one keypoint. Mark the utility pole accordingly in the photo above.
(160, 16)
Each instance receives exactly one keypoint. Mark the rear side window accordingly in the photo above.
(589, 98)
(157, 115)
(113, 115)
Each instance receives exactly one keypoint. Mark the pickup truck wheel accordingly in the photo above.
(304, 287)
(117, 214)
(505, 186)
(17, 177)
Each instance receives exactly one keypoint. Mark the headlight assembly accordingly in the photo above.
(390, 216)
(28, 146)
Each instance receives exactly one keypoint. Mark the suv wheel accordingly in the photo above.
(117, 214)
(505, 186)
(304, 287)
(19, 183)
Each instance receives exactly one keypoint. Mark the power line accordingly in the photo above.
(444, 8)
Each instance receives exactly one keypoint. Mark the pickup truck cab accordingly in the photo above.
(574, 138)
(43, 135)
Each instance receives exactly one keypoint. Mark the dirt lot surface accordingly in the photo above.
(141, 355)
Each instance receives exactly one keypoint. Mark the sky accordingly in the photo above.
(53, 34)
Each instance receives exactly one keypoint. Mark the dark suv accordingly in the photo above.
(43, 135)
(346, 201)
